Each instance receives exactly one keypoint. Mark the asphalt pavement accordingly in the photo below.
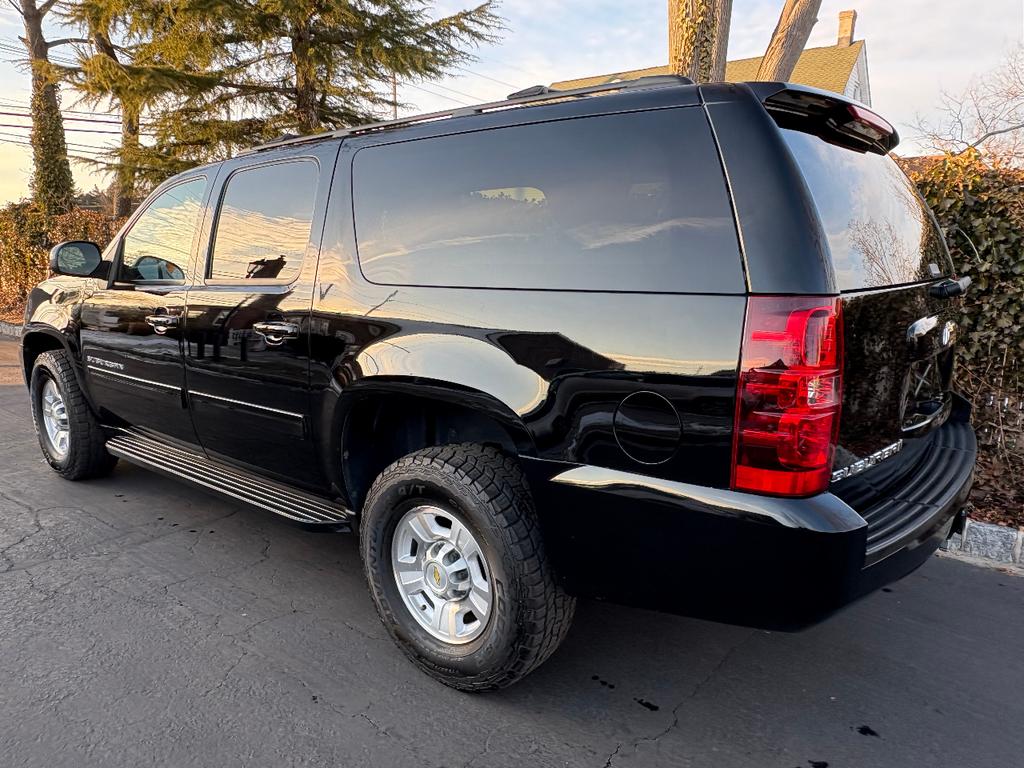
(146, 623)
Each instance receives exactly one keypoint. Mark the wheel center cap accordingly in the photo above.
(434, 575)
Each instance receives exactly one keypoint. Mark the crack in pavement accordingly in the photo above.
(689, 697)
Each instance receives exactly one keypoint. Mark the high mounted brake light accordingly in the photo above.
(868, 124)
(828, 115)
(788, 396)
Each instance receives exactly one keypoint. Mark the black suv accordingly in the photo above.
(685, 346)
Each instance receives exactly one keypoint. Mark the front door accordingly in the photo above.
(247, 325)
(130, 330)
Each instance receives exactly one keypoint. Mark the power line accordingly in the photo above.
(74, 144)
(77, 130)
(439, 95)
(20, 51)
(476, 99)
(26, 106)
(488, 77)
(74, 119)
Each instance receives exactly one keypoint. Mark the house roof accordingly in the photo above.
(828, 68)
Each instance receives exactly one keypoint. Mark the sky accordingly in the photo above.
(916, 49)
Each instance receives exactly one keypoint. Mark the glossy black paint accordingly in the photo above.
(249, 397)
(134, 373)
(547, 363)
(566, 379)
(784, 247)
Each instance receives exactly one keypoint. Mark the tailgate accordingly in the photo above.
(893, 271)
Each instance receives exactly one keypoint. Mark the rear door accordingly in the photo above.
(889, 261)
(247, 328)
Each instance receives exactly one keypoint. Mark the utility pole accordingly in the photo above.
(394, 95)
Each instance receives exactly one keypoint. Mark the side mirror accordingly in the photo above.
(77, 258)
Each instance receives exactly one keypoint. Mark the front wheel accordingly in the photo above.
(456, 566)
(71, 439)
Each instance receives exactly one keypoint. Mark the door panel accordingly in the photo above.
(131, 330)
(247, 321)
(248, 396)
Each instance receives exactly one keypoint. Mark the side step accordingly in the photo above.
(306, 509)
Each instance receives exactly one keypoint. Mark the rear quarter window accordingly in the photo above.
(631, 202)
(878, 228)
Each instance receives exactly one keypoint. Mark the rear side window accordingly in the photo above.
(632, 202)
(879, 231)
(264, 222)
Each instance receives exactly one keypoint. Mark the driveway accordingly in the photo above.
(143, 622)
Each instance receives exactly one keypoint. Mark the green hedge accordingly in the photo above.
(984, 206)
(981, 210)
(26, 236)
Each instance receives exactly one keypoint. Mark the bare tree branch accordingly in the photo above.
(992, 134)
(988, 116)
(66, 41)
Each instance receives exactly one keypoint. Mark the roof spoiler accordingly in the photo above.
(833, 117)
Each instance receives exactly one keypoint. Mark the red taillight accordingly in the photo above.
(788, 397)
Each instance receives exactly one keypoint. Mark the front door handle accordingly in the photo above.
(161, 323)
(275, 331)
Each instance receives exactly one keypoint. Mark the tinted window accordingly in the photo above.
(623, 202)
(159, 244)
(265, 218)
(878, 229)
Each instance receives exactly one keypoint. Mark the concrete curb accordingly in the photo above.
(988, 542)
(10, 329)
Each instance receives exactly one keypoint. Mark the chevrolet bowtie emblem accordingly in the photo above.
(437, 576)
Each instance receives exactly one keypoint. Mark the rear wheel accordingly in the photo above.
(71, 439)
(457, 569)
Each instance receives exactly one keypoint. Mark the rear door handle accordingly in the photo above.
(275, 331)
(161, 323)
(919, 328)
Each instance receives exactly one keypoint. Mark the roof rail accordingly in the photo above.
(536, 94)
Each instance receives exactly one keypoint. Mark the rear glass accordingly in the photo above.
(632, 202)
(878, 228)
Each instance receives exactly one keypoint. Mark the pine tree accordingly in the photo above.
(210, 77)
(123, 65)
(301, 66)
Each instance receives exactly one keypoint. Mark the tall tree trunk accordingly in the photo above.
(698, 36)
(796, 21)
(723, 20)
(305, 80)
(53, 186)
(124, 174)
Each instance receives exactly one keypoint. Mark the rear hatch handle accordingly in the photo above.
(950, 288)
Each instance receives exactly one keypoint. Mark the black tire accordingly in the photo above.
(86, 456)
(487, 491)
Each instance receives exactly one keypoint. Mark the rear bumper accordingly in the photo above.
(741, 558)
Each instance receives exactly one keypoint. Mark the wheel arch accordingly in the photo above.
(379, 420)
(38, 339)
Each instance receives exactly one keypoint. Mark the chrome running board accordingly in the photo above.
(306, 509)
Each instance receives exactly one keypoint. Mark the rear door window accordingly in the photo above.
(264, 222)
(631, 202)
(879, 231)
